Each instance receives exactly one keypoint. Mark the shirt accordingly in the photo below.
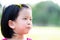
(26, 39)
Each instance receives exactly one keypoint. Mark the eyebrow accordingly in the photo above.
(27, 16)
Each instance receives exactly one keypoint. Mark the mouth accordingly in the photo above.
(28, 28)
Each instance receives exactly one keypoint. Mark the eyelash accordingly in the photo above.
(26, 19)
(30, 19)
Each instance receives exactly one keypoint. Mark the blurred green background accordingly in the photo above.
(46, 13)
(46, 21)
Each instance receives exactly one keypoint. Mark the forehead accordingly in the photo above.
(25, 12)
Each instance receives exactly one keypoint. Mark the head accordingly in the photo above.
(16, 19)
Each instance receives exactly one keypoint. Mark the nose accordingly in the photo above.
(29, 22)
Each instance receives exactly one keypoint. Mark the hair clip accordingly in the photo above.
(20, 6)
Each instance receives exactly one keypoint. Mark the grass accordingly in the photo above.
(43, 33)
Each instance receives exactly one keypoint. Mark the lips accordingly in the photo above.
(29, 27)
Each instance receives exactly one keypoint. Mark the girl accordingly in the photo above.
(16, 21)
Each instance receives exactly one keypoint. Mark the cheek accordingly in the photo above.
(21, 23)
(20, 27)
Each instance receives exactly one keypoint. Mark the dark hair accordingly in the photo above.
(10, 13)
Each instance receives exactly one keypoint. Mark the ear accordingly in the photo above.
(11, 24)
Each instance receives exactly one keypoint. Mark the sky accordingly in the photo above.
(31, 2)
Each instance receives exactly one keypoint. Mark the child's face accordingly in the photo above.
(23, 22)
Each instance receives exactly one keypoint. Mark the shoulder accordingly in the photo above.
(29, 39)
(4, 39)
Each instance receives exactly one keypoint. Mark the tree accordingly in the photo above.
(46, 13)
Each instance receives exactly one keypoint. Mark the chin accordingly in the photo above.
(26, 32)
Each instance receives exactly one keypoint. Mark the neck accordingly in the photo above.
(17, 37)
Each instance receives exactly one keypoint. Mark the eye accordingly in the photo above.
(25, 18)
(31, 19)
